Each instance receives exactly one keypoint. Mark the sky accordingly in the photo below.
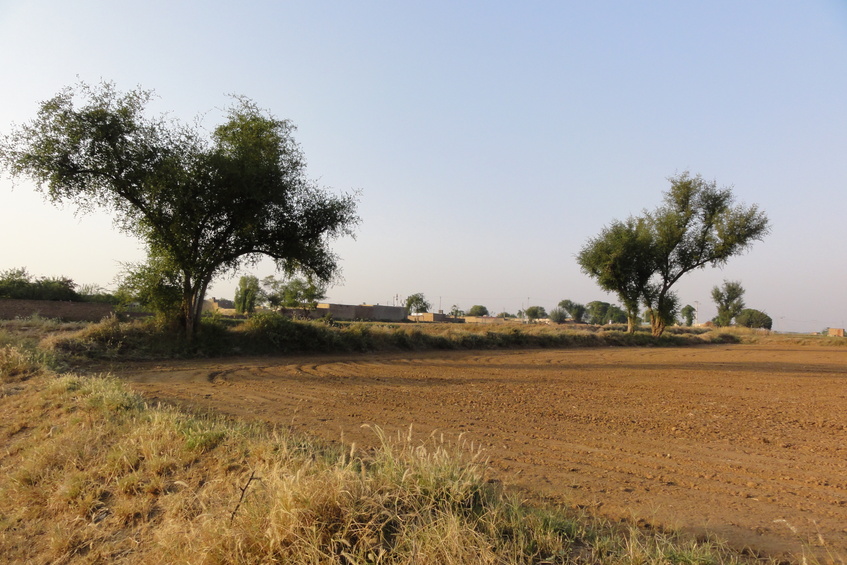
(488, 140)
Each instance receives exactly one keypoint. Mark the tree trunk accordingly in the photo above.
(630, 324)
(197, 299)
(657, 324)
(192, 307)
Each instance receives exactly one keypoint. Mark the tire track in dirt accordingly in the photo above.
(744, 441)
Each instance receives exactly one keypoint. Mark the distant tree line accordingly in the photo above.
(20, 284)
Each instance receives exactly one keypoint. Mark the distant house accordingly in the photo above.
(219, 306)
(364, 312)
(835, 332)
(485, 320)
(368, 312)
(433, 317)
(224, 303)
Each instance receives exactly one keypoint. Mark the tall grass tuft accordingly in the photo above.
(17, 364)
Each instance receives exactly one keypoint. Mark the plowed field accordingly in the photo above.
(748, 442)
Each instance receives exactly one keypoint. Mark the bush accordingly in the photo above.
(558, 315)
(752, 318)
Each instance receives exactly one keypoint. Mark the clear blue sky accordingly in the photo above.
(490, 140)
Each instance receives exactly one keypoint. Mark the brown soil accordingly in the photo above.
(747, 442)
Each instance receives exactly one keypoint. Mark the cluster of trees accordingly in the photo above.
(640, 259)
(729, 299)
(296, 292)
(595, 312)
(19, 283)
(203, 204)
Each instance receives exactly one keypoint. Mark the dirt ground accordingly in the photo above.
(747, 442)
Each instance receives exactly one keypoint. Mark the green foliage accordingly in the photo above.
(601, 313)
(730, 302)
(96, 293)
(752, 318)
(688, 311)
(297, 292)
(203, 204)
(558, 315)
(154, 286)
(535, 313)
(457, 312)
(247, 294)
(641, 259)
(621, 260)
(663, 313)
(478, 310)
(417, 304)
(575, 310)
(18, 283)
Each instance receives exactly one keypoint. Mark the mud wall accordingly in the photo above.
(11, 308)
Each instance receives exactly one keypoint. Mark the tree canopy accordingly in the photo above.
(203, 204)
(247, 295)
(573, 309)
(729, 299)
(558, 315)
(535, 313)
(621, 260)
(297, 292)
(600, 313)
(417, 304)
(642, 258)
(478, 310)
(752, 318)
(18, 283)
(688, 312)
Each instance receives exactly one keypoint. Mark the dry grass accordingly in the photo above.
(92, 474)
(761, 336)
(274, 334)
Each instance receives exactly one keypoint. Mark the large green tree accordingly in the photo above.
(729, 299)
(247, 294)
(698, 224)
(204, 204)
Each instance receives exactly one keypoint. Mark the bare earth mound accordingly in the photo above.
(748, 442)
